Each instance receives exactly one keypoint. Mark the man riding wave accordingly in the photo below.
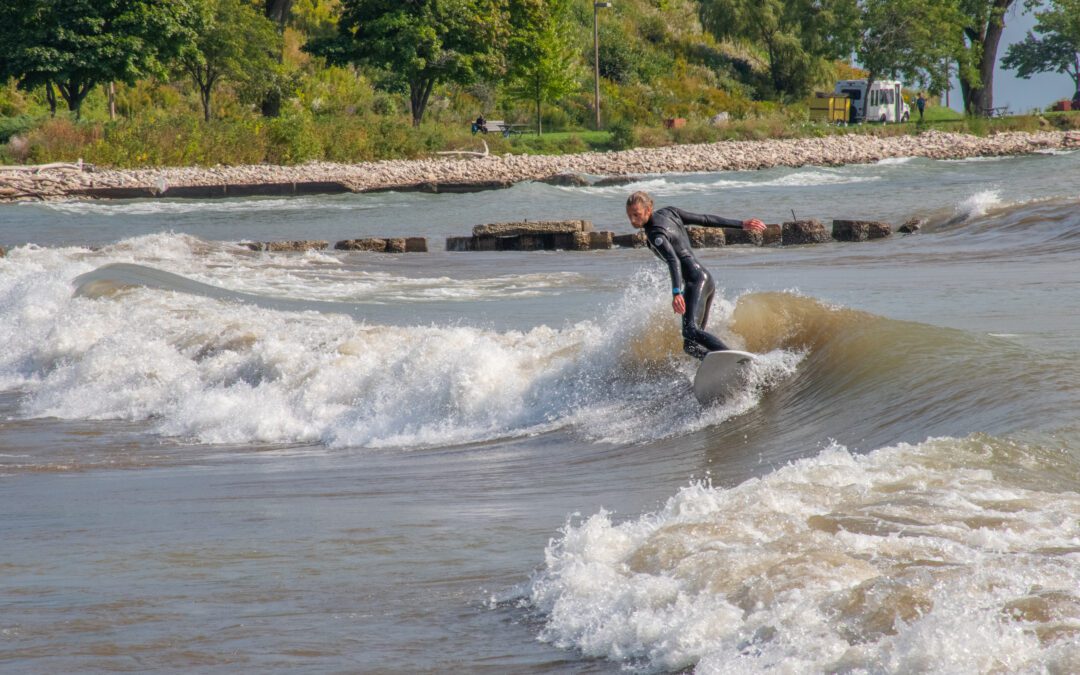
(692, 286)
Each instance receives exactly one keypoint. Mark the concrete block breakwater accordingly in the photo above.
(498, 171)
(579, 235)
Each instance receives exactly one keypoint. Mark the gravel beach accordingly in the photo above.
(499, 171)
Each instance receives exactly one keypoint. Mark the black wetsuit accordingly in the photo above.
(667, 237)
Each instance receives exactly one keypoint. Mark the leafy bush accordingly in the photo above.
(13, 103)
(180, 140)
(550, 144)
(62, 140)
(696, 132)
(148, 96)
(10, 126)
(292, 139)
(336, 91)
(622, 135)
(652, 137)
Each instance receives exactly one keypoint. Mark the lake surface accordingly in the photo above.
(213, 460)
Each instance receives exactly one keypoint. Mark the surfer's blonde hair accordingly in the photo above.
(639, 197)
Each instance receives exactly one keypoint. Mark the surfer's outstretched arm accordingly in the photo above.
(706, 219)
(709, 220)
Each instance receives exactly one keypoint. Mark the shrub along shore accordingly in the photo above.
(450, 174)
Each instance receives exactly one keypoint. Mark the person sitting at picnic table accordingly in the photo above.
(480, 124)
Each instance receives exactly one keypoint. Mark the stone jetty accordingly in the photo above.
(579, 235)
(385, 245)
(543, 235)
(443, 174)
(371, 244)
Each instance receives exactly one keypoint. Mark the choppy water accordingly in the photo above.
(217, 460)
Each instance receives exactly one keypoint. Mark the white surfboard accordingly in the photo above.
(720, 374)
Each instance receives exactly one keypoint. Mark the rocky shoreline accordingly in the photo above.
(489, 172)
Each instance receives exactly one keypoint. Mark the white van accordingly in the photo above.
(883, 104)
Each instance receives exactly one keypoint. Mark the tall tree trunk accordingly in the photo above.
(205, 79)
(271, 104)
(979, 97)
(50, 96)
(74, 93)
(1076, 75)
(982, 97)
(277, 11)
(111, 93)
(419, 93)
(871, 77)
(539, 121)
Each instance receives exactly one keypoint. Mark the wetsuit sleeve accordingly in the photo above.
(663, 247)
(706, 219)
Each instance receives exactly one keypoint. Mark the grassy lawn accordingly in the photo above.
(185, 141)
(938, 114)
(559, 142)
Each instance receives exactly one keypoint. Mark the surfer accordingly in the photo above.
(692, 286)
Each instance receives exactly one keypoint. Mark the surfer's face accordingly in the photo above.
(639, 214)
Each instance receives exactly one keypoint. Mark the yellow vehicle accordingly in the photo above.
(831, 108)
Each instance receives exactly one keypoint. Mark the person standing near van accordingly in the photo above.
(920, 103)
(692, 286)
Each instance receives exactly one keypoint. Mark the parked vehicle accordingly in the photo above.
(884, 102)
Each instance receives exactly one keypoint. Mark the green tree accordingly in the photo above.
(315, 18)
(1058, 48)
(984, 23)
(420, 43)
(799, 37)
(75, 45)
(233, 42)
(912, 39)
(542, 60)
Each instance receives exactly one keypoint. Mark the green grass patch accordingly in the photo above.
(185, 140)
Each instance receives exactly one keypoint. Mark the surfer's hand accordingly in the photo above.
(754, 225)
(678, 304)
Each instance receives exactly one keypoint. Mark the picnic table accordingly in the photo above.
(500, 127)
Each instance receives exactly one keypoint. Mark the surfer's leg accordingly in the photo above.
(698, 297)
(706, 303)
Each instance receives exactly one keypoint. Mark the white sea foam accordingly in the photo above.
(895, 161)
(215, 371)
(909, 559)
(175, 207)
(979, 204)
(810, 177)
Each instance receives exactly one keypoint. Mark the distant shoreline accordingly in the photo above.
(490, 172)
